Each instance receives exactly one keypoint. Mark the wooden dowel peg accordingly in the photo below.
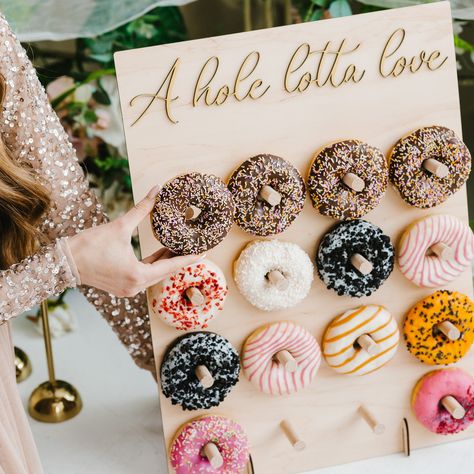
(443, 251)
(286, 360)
(449, 330)
(213, 455)
(369, 418)
(195, 296)
(268, 194)
(354, 182)
(204, 376)
(453, 407)
(360, 263)
(275, 277)
(406, 437)
(192, 213)
(436, 167)
(368, 344)
(297, 443)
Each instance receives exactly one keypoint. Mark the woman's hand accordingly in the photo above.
(105, 258)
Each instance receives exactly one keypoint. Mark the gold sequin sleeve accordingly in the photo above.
(32, 132)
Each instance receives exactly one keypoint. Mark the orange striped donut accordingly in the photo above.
(417, 254)
(263, 367)
(343, 338)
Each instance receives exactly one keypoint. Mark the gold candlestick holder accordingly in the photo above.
(53, 401)
(22, 365)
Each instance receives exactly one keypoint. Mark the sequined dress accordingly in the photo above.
(32, 132)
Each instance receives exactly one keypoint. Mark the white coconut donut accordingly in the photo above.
(435, 250)
(273, 275)
(361, 340)
(281, 358)
(190, 298)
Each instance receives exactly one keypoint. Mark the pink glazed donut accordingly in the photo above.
(187, 448)
(429, 392)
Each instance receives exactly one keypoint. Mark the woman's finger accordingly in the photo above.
(155, 271)
(135, 215)
(160, 253)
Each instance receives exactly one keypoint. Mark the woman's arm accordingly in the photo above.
(34, 135)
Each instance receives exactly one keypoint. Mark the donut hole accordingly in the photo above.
(438, 334)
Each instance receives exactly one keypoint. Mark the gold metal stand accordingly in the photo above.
(55, 400)
(22, 365)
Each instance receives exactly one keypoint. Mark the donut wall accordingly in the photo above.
(323, 301)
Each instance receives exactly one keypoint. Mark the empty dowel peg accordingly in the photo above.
(406, 437)
(369, 418)
(436, 167)
(268, 194)
(286, 360)
(449, 330)
(359, 262)
(443, 251)
(275, 277)
(195, 296)
(213, 455)
(453, 407)
(192, 213)
(368, 344)
(354, 182)
(204, 376)
(293, 438)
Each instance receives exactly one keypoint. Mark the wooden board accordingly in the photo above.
(215, 139)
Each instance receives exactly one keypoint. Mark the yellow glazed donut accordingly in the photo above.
(361, 340)
(439, 329)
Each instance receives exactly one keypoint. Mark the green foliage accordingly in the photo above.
(160, 26)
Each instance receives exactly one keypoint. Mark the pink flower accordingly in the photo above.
(103, 119)
(59, 86)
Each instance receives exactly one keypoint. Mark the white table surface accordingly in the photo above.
(119, 428)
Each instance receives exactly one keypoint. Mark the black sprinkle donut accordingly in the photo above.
(269, 193)
(193, 213)
(409, 166)
(347, 179)
(179, 370)
(351, 245)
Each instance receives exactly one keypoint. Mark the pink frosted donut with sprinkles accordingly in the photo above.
(281, 358)
(190, 298)
(209, 445)
(435, 250)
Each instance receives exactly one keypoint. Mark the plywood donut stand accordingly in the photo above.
(338, 417)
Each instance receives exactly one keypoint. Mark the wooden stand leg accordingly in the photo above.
(453, 407)
(192, 213)
(369, 418)
(436, 167)
(268, 194)
(286, 360)
(204, 376)
(195, 296)
(293, 438)
(449, 330)
(443, 251)
(354, 182)
(360, 263)
(212, 453)
(277, 278)
(368, 344)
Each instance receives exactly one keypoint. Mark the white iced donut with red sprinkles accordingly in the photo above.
(190, 298)
(281, 358)
(435, 250)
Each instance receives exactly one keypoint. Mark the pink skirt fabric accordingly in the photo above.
(18, 453)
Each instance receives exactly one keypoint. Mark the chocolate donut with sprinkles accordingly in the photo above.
(190, 298)
(269, 193)
(347, 179)
(429, 165)
(193, 213)
(199, 370)
(439, 329)
(355, 258)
